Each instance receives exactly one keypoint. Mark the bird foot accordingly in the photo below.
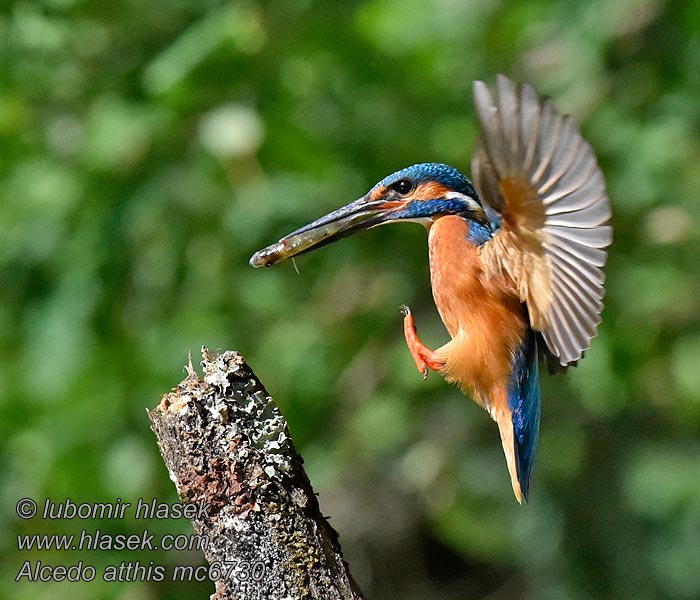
(424, 357)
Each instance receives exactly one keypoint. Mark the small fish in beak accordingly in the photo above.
(356, 216)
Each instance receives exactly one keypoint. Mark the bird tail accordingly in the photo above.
(519, 419)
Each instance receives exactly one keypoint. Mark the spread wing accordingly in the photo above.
(540, 178)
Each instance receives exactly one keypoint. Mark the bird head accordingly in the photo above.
(420, 193)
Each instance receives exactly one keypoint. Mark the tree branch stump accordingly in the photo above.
(229, 453)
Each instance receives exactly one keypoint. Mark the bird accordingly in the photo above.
(516, 257)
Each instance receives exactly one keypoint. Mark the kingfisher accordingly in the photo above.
(516, 257)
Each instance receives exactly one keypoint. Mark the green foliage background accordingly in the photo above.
(148, 148)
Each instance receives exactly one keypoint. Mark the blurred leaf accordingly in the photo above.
(148, 149)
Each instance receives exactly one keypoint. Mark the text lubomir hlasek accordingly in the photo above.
(153, 509)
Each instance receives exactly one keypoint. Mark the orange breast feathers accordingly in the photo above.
(481, 312)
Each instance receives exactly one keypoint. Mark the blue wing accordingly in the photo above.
(524, 403)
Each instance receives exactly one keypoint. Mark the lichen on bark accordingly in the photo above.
(227, 447)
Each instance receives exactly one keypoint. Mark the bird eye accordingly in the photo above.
(403, 186)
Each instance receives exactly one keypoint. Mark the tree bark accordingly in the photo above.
(228, 450)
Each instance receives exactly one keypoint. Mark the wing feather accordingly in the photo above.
(508, 125)
(547, 143)
(598, 237)
(586, 295)
(488, 118)
(588, 217)
(571, 194)
(529, 126)
(576, 252)
(569, 149)
(540, 180)
(588, 277)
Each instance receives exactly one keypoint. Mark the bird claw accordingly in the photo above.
(424, 358)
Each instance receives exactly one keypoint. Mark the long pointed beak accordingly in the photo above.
(356, 216)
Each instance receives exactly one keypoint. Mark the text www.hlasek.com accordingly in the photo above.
(98, 540)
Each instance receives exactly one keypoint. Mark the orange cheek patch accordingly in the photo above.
(430, 190)
(377, 194)
(393, 204)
